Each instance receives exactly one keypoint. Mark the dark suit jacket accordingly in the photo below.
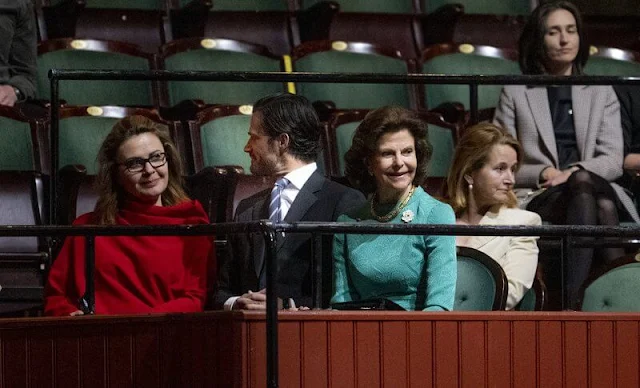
(319, 200)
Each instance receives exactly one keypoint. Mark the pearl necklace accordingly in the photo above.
(395, 211)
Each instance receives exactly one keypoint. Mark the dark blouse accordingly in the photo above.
(562, 119)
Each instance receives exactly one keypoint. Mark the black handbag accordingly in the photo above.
(367, 304)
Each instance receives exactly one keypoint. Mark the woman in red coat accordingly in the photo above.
(139, 182)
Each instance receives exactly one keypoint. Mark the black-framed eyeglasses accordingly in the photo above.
(137, 164)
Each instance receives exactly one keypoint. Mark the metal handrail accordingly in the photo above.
(57, 75)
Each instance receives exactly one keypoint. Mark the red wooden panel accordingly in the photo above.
(601, 354)
(523, 350)
(498, 354)
(420, 354)
(473, 353)
(40, 358)
(67, 358)
(341, 355)
(147, 357)
(289, 367)
(93, 370)
(314, 355)
(119, 360)
(257, 354)
(446, 350)
(232, 349)
(394, 354)
(575, 354)
(14, 359)
(367, 338)
(189, 356)
(550, 347)
(627, 354)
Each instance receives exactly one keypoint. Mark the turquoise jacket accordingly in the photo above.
(417, 272)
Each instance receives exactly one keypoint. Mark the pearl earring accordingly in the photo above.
(470, 186)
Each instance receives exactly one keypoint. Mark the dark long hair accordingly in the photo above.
(532, 54)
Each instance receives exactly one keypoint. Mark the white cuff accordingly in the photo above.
(228, 305)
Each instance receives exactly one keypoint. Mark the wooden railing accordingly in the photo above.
(324, 349)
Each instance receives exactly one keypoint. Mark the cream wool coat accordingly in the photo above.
(517, 255)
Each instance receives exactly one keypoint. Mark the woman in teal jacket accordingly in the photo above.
(388, 161)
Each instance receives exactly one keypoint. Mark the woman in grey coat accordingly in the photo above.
(571, 136)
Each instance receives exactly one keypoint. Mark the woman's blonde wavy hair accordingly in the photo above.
(472, 152)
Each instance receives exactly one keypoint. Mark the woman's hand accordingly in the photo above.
(76, 313)
(559, 178)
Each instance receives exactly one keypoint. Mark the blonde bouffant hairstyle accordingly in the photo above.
(472, 152)
(111, 194)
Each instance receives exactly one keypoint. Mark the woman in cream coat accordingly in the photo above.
(480, 190)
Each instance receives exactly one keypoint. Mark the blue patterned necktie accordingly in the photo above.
(275, 213)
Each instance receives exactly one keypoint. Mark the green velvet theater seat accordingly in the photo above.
(90, 54)
(481, 284)
(451, 59)
(219, 55)
(615, 288)
(352, 57)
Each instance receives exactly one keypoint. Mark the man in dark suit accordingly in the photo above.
(284, 141)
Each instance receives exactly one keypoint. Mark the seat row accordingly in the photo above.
(314, 56)
(377, 6)
(216, 137)
(280, 30)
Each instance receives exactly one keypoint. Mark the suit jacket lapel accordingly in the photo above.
(539, 105)
(260, 212)
(581, 104)
(306, 198)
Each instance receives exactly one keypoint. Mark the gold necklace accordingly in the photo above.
(393, 212)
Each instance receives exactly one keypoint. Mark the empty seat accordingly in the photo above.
(613, 288)
(145, 28)
(403, 31)
(612, 61)
(271, 29)
(252, 5)
(378, 6)
(511, 7)
(613, 31)
(23, 260)
(450, 58)
(353, 57)
(23, 143)
(219, 55)
(477, 29)
(219, 135)
(94, 54)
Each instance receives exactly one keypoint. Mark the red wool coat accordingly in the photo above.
(136, 274)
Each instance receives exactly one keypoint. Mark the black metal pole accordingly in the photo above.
(316, 265)
(473, 102)
(53, 139)
(270, 236)
(88, 300)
